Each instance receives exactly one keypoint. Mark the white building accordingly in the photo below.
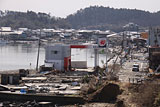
(58, 56)
(5, 30)
(22, 29)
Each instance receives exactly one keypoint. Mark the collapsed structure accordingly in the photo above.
(154, 49)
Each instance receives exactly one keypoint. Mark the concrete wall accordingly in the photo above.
(58, 64)
(57, 52)
(55, 55)
(79, 64)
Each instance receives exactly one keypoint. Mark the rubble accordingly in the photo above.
(107, 93)
(26, 104)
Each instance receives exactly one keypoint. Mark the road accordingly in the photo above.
(127, 75)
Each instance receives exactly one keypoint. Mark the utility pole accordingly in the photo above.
(1, 33)
(150, 28)
(106, 55)
(95, 58)
(38, 51)
(123, 42)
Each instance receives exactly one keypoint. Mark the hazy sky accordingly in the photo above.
(62, 8)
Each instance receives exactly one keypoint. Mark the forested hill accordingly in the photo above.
(93, 17)
(30, 20)
(105, 17)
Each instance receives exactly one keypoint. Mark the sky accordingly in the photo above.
(62, 8)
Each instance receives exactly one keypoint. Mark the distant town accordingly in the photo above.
(67, 36)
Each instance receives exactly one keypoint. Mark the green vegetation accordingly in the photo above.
(104, 18)
(94, 17)
(30, 20)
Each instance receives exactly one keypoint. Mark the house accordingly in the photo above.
(5, 30)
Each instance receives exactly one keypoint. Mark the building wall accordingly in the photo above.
(57, 52)
(154, 37)
(154, 57)
(55, 55)
(79, 64)
(57, 64)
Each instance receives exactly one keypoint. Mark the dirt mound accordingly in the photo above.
(107, 93)
(91, 86)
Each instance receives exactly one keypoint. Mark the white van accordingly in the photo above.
(135, 67)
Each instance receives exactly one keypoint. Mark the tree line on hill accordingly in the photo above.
(104, 17)
(31, 20)
(94, 17)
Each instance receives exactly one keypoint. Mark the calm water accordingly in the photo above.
(24, 56)
(19, 56)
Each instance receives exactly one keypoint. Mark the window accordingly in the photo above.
(54, 52)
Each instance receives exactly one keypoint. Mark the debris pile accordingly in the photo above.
(26, 104)
(107, 93)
